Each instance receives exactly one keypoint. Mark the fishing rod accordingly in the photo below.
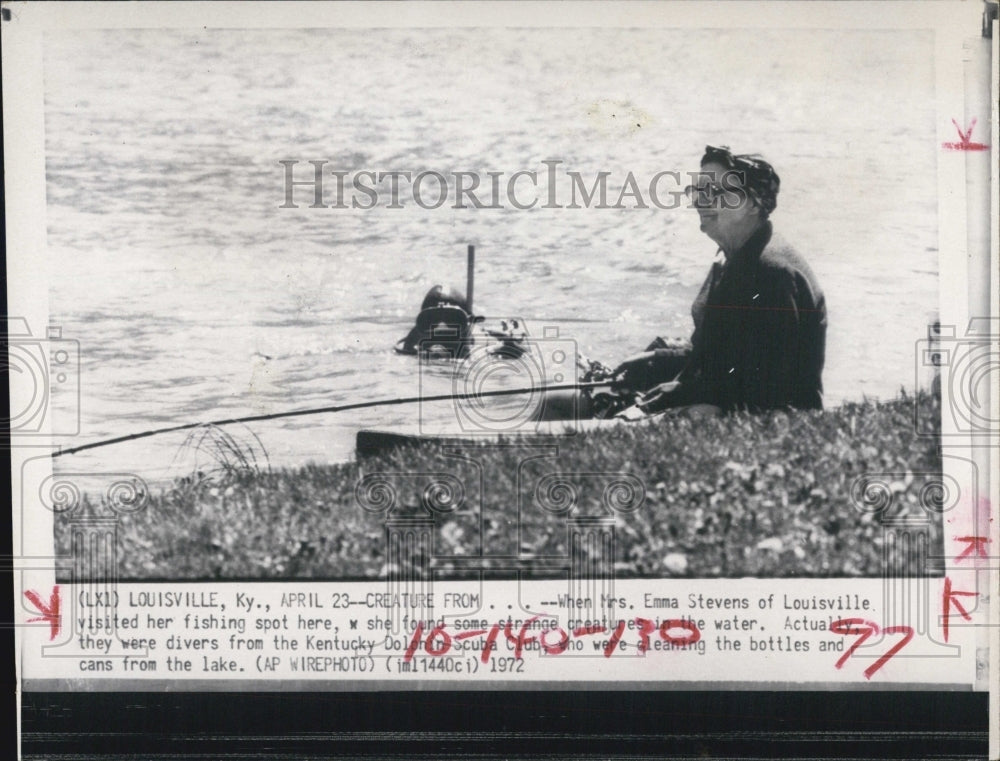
(321, 410)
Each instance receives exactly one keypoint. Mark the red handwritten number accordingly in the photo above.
(491, 642)
(438, 631)
(846, 626)
(693, 635)
(522, 637)
(616, 636)
(906, 631)
(439, 641)
(858, 626)
(415, 642)
(50, 612)
(646, 627)
(560, 646)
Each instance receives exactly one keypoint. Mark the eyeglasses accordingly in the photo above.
(708, 191)
(708, 194)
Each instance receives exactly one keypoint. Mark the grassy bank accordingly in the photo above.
(769, 495)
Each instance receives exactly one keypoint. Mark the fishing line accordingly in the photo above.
(321, 410)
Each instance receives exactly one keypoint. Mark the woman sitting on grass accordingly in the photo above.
(760, 317)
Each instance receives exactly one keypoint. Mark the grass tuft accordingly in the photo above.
(211, 456)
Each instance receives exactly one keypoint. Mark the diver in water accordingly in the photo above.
(444, 330)
(443, 326)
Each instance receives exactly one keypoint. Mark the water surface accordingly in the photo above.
(195, 296)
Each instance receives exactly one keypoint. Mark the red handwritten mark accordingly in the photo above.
(647, 627)
(976, 544)
(693, 634)
(586, 631)
(414, 642)
(848, 627)
(468, 634)
(521, 639)
(439, 642)
(950, 598)
(49, 612)
(965, 140)
(615, 639)
(491, 642)
(444, 647)
(906, 631)
(865, 629)
(560, 646)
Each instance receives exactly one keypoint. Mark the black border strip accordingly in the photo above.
(620, 724)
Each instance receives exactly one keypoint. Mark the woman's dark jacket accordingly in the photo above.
(760, 332)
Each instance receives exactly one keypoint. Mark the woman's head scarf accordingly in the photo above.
(759, 179)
